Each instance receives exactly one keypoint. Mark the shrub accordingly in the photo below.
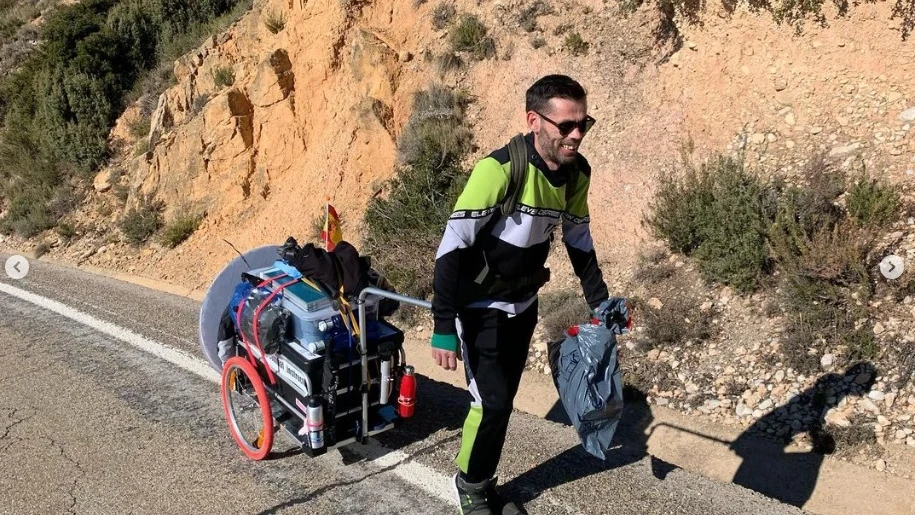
(120, 191)
(527, 18)
(652, 268)
(528, 24)
(872, 202)
(448, 61)
(142, 147)
(677, 321)
(59, 105)
(179, 229)
(442, 15)
(860, 432)
(142, 222)
(139, 126)
(435, 136)
(575, 44)
(820, 314)
(403, 228)
(41, 249)
(905, 11)
(538, 42)
(720, 214)
(560, 310)
(66, 230)
(274, 20)
(644, 375)
(824, 256)
(223, 76)
(470, 35)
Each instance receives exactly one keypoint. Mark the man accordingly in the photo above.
(489, 268)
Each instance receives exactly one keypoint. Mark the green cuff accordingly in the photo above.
(447, 342)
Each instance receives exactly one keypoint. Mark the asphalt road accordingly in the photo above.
(89, 423)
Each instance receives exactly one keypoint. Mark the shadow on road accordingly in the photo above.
(575, 463)
(791, 477)
(766, 467)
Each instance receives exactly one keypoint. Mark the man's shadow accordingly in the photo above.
(631, 439)
(791, 477)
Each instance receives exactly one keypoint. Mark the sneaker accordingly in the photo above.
(472, 496)
(483, 498)
(498, 504)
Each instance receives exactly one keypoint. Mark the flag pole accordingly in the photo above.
(327, 222)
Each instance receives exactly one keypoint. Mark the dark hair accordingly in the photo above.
(552, 86)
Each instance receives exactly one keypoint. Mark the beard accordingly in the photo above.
(554, 151)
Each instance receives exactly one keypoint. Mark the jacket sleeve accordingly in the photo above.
(576, 234)
(475, 207)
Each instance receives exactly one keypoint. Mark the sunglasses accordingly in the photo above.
(565, 128)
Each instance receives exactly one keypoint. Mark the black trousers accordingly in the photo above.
(495, 347)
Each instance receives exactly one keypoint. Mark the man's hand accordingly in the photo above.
(616, 312)
(446, 350)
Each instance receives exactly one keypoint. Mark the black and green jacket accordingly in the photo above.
(480, 244)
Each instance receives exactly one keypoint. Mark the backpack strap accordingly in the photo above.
(570, 186)
(517, 155)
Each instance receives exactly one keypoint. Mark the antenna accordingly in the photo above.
(239, 253)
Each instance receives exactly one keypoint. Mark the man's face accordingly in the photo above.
(554, 147)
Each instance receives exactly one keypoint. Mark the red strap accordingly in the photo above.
(257, 313)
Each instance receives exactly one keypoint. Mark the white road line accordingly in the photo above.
(174, 356)
(425, 477)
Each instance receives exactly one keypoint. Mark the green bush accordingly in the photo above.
(60, 104)
(179, 229)
(825, 290)
(575, 44)
(133, 24)
(470, 35)
(720, 214)
(139, 126)
(65, 230)
(435, 136)
(871, 201)
(739, 229)
(142, 222)
(28, 213)
(403, 228)
(223, 76)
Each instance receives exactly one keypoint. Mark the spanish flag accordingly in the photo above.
(331, 234)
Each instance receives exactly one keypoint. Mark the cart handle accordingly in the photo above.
(363, 345)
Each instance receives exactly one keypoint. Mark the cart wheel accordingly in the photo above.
(247, 408)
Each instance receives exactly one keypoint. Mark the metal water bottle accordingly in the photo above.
(386, 380)
(315, 423)
(407, 400)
